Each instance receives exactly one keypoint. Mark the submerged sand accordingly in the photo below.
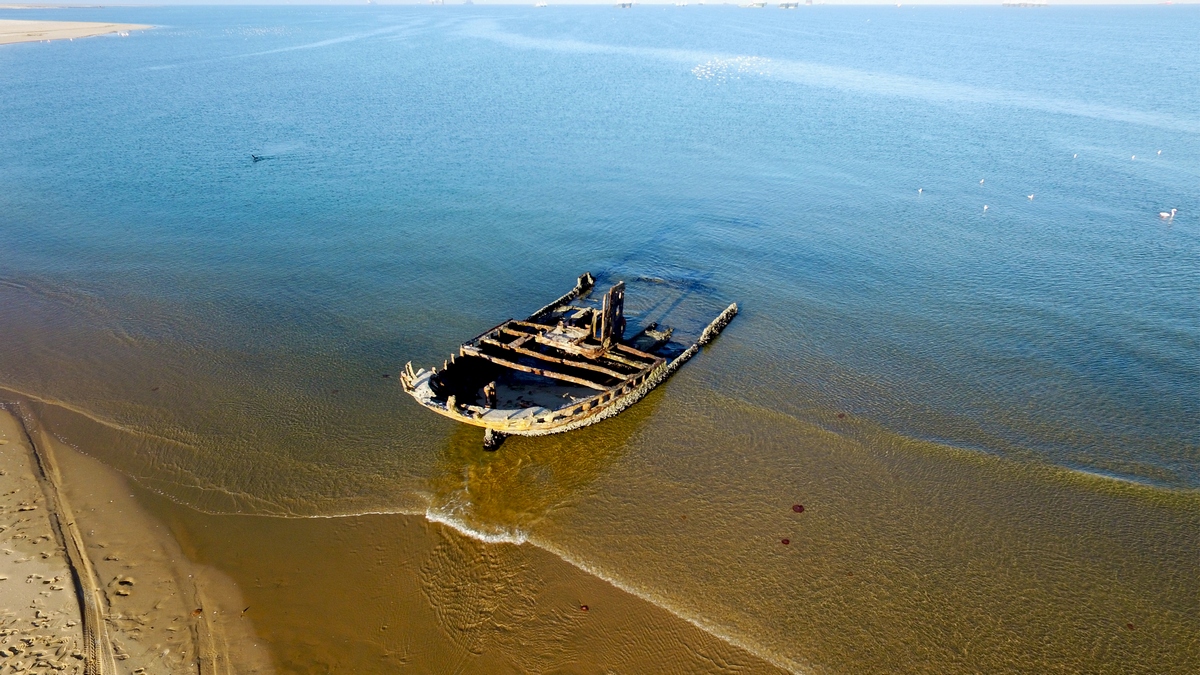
(15, 30)
(355, 594)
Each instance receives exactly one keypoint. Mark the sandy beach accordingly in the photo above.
(39, 615)
(15, 30)
(108, 590)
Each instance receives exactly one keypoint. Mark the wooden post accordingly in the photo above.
(612, 316)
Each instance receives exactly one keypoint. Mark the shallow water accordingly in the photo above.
(1019, 456)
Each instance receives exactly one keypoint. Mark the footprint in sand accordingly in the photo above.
(121, 585)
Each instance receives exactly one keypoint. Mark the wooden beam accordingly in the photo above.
(624, 361)
(615, 358)
(583, 285)
(540, 327)
(546, 357)
(517, 333)
(475, 351)
(630, 350)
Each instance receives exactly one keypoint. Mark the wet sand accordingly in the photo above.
(183, 590)
(39, 613)
(15, 30)
(372, 594)
(148, 608)
(908, 556)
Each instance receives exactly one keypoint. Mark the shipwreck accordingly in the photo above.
(564, 367)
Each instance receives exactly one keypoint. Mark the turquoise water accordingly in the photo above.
(433, 170)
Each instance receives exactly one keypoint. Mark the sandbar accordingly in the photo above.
(16, 30)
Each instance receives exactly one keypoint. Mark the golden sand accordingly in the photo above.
(14, 30)
(157, 611)
(38, 608)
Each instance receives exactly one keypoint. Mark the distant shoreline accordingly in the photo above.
(51, 6)
(13, 30)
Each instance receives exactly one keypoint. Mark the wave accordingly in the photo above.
(497, 535)
(354, 37)
(720, 67)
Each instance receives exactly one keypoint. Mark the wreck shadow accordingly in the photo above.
(500, 496)
(683, 301)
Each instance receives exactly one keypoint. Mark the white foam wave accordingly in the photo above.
(499, 535)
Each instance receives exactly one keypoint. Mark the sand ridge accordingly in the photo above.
(19, 30)
(139, 605)
(39, 613)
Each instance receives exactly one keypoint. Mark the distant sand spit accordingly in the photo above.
(13, 30)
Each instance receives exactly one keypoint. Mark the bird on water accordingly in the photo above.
(1167, 216)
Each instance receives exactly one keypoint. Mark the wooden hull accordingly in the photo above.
(614, 391)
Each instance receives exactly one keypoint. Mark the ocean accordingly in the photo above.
(969, 345)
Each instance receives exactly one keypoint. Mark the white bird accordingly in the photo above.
(1030, 197)
(1076, 156)
(1167, 216)
(1133, 157)
(981, 181)
(985, 207)
(1160, 152)
(920, 190)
